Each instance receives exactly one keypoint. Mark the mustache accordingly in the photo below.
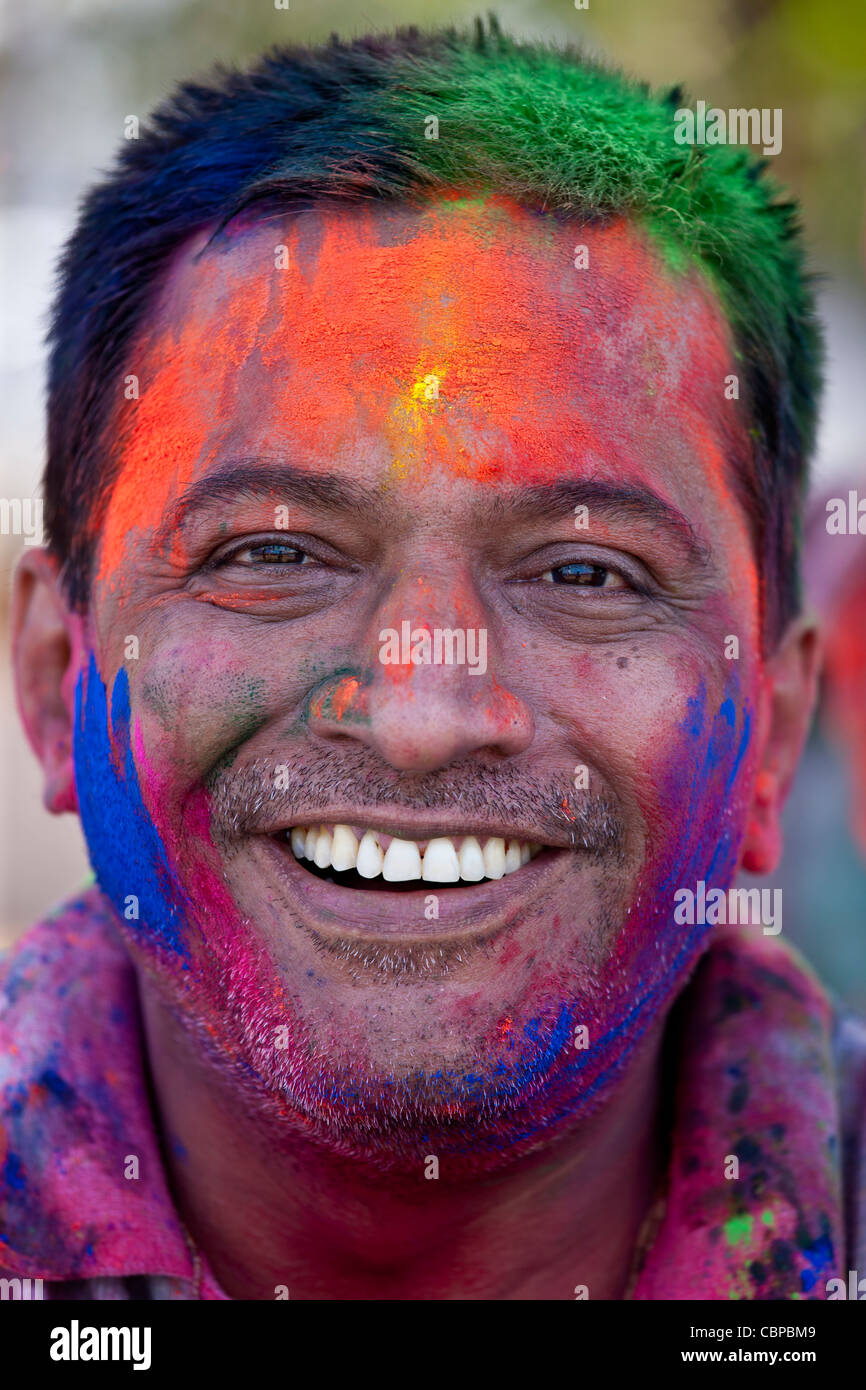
(247, 800)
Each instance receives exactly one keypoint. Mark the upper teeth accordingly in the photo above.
(444, 860)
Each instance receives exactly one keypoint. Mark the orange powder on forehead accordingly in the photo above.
(438, 341)
(164, 434)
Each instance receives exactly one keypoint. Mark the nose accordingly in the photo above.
(430, 696)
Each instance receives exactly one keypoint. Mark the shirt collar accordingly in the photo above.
(754, 1206)
(83, 1183)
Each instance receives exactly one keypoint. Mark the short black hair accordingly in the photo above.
(347, 120)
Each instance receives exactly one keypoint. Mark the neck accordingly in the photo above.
(268, 1209)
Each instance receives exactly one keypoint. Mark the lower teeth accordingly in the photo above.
(350, 878)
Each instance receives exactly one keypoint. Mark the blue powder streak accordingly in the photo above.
(127, 854)
(720, 749)
(13, 1173)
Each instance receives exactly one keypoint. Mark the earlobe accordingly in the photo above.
(788, 700)
(47, 642)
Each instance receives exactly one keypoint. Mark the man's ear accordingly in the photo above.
(787, 703)
(48, 643)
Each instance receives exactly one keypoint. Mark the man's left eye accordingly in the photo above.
(584, 574)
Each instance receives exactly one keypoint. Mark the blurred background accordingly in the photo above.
(71, 71)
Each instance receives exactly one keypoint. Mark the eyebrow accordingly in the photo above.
(331, 492)
(610, 500)
(255, 480)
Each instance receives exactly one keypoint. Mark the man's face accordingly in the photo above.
(353, 428)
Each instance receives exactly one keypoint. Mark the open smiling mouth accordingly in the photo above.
(347, 884)
(356, 857)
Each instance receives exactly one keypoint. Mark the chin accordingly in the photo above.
(475, 1113)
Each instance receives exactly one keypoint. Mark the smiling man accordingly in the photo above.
(380, 357)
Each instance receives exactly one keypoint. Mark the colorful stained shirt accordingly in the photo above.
(763, 1196)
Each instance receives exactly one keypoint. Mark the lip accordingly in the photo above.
(477, 911)
(421, 828)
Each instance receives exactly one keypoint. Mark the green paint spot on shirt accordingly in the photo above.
(738, 1229)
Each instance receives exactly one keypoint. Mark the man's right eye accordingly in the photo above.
(267, 553)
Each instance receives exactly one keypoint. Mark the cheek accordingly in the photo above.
(202, 695)
(669, 732)
(702, 780)
(154, 868)
(627, 704)
(130, 860)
